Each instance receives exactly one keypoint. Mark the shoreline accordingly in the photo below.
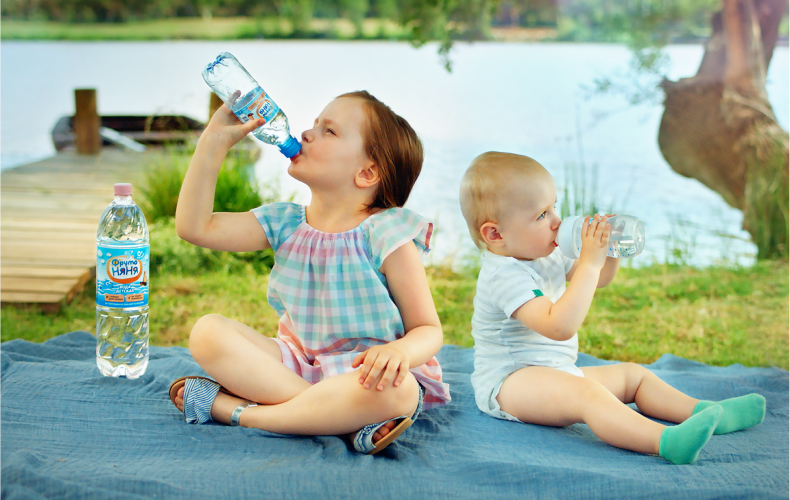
(246, 28)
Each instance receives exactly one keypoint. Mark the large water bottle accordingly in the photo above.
(627, 237)
(242, 94)
(122, 260)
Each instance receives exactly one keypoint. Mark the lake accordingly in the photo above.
(521, 98)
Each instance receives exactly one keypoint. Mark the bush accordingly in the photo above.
(171, 254)
(236, 191)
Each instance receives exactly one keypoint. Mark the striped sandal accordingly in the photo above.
(199, 395)
(363, 439)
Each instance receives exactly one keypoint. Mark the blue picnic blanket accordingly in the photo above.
(68, 432)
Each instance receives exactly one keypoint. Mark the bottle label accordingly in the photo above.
(260, 106)
(122, 276)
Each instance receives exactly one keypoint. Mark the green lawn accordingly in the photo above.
(716, 315)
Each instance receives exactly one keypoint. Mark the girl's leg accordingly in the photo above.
(243, 361)
(546, 396)
(250, 365)
(632, 383)
(334, 406)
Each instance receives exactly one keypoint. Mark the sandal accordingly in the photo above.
(199, 395)
(363, 440)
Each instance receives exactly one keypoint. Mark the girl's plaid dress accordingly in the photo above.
(332, 300)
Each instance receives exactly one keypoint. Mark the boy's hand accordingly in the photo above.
(381, 365)
(225, 129)
(595, 241)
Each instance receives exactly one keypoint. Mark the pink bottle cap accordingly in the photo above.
(123, 189)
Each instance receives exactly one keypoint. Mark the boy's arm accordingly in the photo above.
(608, 272)
(560, 320)
(195, 220)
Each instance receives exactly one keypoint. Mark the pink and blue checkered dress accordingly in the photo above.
(332, 300)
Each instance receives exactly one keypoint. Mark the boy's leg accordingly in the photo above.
(546, 396)
(632, 383)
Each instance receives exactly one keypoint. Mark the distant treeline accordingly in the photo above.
(578, 19)
(503, 12)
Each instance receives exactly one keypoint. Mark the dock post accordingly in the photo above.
(86, 122)
(214, 104)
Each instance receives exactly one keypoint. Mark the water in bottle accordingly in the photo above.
(122, 260)
(626, 239)
(248, 101)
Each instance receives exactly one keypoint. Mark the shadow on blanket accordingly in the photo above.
(69, 432)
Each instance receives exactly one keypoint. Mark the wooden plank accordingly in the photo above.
(53, 202)
(32, 223)
(76, 273)
(30, 297)
(66, 263)
(48, 302)
(56, 220)
(84, 237)
(53, 285)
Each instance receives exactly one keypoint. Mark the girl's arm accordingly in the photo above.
(408, 285)
(560, 320)
(195, 220)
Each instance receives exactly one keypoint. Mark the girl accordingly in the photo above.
(358, 328)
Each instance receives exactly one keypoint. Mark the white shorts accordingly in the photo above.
(486, 398)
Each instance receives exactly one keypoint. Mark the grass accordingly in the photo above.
(716, 315)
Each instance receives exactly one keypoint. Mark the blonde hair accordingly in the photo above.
(487, 183)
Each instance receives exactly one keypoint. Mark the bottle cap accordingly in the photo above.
(291, 147)
(565, 236)
(123, 189)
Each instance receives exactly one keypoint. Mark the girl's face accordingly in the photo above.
(333, 150)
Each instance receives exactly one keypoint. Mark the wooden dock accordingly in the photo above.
(50, 213)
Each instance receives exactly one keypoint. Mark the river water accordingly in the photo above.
(522, 98)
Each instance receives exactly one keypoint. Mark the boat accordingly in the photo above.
(145, 130)
(136, 133)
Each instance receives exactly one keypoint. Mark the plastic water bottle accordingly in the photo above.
(242, 94)
(122, 260)
(627, 237)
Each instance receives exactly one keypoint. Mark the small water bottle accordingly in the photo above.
(627, 237)
(122, 260)
(242, 94)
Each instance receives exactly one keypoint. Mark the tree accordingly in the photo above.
(718, 126)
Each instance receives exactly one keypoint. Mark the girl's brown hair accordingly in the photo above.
(395, 149)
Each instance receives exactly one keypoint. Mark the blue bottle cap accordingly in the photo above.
(291, 147)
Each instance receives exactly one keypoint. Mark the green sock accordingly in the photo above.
(681, 443)
(739, 413)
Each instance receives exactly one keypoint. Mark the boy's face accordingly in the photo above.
(528, 224)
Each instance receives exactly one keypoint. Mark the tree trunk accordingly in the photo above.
(719, 128)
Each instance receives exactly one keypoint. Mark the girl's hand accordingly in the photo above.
(225, 129)
(595, 240)
(380, 365)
